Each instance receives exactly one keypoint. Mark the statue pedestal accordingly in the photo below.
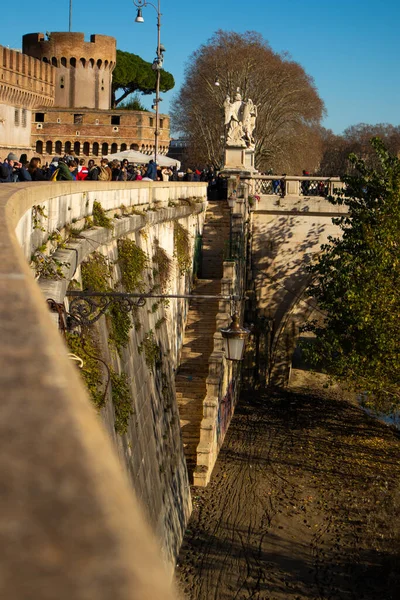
(239, 160)
(234, 158)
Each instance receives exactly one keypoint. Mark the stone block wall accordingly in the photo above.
(151, 448)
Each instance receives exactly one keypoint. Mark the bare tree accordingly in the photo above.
(289, 108)
(356, 139)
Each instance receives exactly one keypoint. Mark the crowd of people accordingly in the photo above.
(69, 168)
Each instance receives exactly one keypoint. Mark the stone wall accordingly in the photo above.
(77, 530)
(84, 69)
(96, 133)
(25, 83)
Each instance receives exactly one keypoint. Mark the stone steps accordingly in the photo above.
(198, 342)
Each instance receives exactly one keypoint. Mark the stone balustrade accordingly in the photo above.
(70, 525)
(290, 185)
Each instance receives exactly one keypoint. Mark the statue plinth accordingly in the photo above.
(239, 160)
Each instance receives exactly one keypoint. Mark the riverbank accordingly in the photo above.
(303, 504)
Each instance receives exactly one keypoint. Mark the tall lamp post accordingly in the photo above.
(157, 62)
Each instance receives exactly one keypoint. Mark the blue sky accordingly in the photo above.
(350, 47)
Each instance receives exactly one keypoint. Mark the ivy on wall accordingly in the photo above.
(150, 349)
(182, 248)
(164, 264)
(132, 261)
(86, 347)
(122, 401)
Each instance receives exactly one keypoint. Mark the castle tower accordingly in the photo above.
(84, 69)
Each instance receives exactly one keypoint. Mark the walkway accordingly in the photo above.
(303, 504)
(198, 340)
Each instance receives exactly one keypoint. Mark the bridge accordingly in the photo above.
(72, 520)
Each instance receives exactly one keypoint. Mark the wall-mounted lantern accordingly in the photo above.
(235, 338)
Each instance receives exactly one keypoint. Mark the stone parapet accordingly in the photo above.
(25, 81)
(70, 526)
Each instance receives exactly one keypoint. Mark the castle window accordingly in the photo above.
(67, 148)
(78, 119)
(63, 62)
(39, 147)
(62, 82)
(161, 123)
(104, 149)
(115, 120)
(72, 62)
(49, 147)
(95, 149)
(54, 62)
(123, 147)
(114, 148)
(16, 117)
(39, 117)
(134, 147)
(24, 118)
(58, 147)
(151, 121)
(86, 148)
(77, 148)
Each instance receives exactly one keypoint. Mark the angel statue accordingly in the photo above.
(240, 120)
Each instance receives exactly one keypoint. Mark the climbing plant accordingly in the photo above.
(122, 401)
(85, 346)
(132, 261)
(99, 216)
(96, 273)
(150, 349)
(182, 248)
(164, 264)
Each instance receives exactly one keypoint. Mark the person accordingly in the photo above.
(93, 171)
(166, 174)
(5, 175)
(305, 184)
(151, 172)
(35, 170)
(67, 169)
(105, 173)
(82, 170)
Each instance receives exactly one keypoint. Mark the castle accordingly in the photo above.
(55, 98)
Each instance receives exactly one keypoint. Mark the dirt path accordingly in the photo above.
(303, 504)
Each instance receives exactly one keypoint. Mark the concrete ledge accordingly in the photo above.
(70, 526)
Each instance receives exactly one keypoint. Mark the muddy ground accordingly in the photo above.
(304, 503)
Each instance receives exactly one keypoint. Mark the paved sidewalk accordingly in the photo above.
(303, 504)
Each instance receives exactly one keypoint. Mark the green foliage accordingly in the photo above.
(132, 74)
(357, 284)
(99, 216)
(151, 349)
(121, 324)
(122, 401)
(182, 248)
(132, 261)
(48, 267)
(164, 264)
(133, 103)
(86, 348)
(38, 214)
(159, 323)
(96, 273)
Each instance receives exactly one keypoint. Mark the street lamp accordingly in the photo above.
(157, 62)
(235, 338)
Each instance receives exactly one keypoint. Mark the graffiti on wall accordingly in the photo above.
(225, 412)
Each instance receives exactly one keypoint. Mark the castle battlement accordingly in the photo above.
(84, 69)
